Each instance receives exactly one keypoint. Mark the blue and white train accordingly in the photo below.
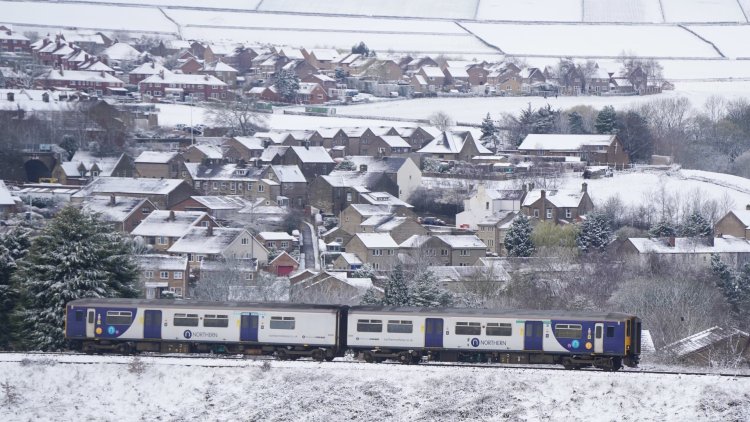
(323, 332)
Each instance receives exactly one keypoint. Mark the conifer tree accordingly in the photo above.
(425, 292)
(595, 233)
(575, 122)
(606, 120)
(518, 238)
(75, 256)
(663, 228)
(396, 290)
(287, 82)
(696, 226)
(13, 247)
(370, 298)
(488, 127)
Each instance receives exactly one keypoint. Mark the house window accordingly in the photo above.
(348, 197)
(183, 174)
(204, 223)
(223, 185)
(568, 213)
(261, 188)
(145, 210)
(164, 275)
(198, 185)
(390, 252)
(216, 185)
(284, 244)
(536, 213)
(548, 215)
(239, 185)
(94, 173)
(376, 266)
(244, 241)
(149, 274)
(377, 252)
(163, 240)
(232, 185)
(486, 205)
(443, 252)
(177, 275)
(464, 252)
(248, 276)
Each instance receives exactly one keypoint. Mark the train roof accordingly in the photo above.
(175, 303)
(510, 313)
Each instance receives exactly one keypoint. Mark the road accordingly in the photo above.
(309, 243)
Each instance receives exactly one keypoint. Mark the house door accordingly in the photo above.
(152, 324)
(533, 335)
(599, 338)
(248, 327)
(90, 323)
(433, 332)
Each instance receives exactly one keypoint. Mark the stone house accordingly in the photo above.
(492, 231)
(485, 203)
(292, 183)
(715, 346)
(558, 206)
(402, 171)
(377, 249)
(352, 218)
(246, 148)
(163, 193)
(388, 146)
(454, 146)
(688, 252)
(445, 250)
(231, 179)
(280, 241)
(203, 153)
(312, 161)
(123, 212)
(160, 165)
(214, 244)
(162, 228)
(83, 167)
(417, 137)
(332, 194)
(159, 274)
(591, 149)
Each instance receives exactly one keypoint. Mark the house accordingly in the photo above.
(162, 228)
(120, 55)
(218, 207)
(377, 249)
(123, 212)
(145, 70)
(217, 51)
(245, 148)
(387, 146)
(292, 183)
(221, 71)
(328, 83)
(455, 146)
(382, 70)
(283, 264)
(716, 346)
(333, 193)
(485, 203)
(160, 165)
(8, 202)
(311, 93)
(207, 154)
(434, 77)
(93, 83)
(321, 58)
(312, 161)
(558, 206)
(328, 138)
(183, 87)
(163, 193)
(402, 171)
(592, 149)
(191, 66)
(239, 273)
(300, 67)
(450, 250)
(735, 223)
(163, 275)
(353, 217)
(13, 42)
(399, 228)
(83, 167)
(215, 244)
(417, 137)
(330, 287)
(231, 179)
(348, 262)
(279, 241)
(688, 252)
(492, 230)
(456, 77)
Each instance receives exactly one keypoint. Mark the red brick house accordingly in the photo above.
(144, 71)
(98, 83)
(181, 87)
(12, 42)
(283, 264)
(310, 93)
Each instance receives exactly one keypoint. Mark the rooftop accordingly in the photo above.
(566, 142)
(168, 223)
(198, 240)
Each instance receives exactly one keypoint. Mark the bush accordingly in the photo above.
(137, 366)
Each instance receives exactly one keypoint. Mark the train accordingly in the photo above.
(408, 335)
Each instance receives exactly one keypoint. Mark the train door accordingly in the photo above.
(599, 338)
(90, 323)
(249, 327)
(433, 332)
(533, 335)
(152, 324)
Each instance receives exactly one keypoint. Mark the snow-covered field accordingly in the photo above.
(449, 9)
(170, 390)
(725, 38)
(530, 10)
(563, 40)
(219, 4)
(646, 11)
(695, 11)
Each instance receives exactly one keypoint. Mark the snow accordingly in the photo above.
(61, 15)
(5, 196)
(312, 155)
(179, 78)
(377, 240)
(197, 240)
(530, 10)
(126, 185)
(562, 40)
(162, 262)
(288, 174)
(275, 236)
(455, 9)
(168, 223)
(702, 11)
(686, 245)
(223, 4)
(563, 142)
(702, 340)
(123, 207)
(462, 241)
(222, 389)
(156, 157)
(561, 198)
(646, 11)
(730, 39)
(121, 51)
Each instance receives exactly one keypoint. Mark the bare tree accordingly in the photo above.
(239, 116)
(441, 120)
(228, 280)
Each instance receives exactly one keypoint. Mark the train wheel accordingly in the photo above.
(405, 358)
(416, 359)
(281, 354)
(368, 357)
(318, 355)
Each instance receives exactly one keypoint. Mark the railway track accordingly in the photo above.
(248, 359)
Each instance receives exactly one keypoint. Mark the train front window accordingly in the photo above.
(568, 330)
(79, 316)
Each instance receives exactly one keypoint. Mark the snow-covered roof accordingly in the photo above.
(150, 68)
(210, 151)
(121, 51)
(377, 240)
(198, 240)
(270, 152)
(161, 262)
(289, 174)
(118, 211)
(420, 79)
(383, 198)
(377, 165)
(562, 198)
(567, 142)
(462, 241)
(433, 72)
(10, 35)
(177, 44)
(743, 216)
(96, 66)
(452, 143)
(129, 185)
(283, 254)
(415, 241)
(5, 196)
(275, 236)
(457, 72)
(81, 76)
(395, 141)
(181, 78)
(249, 142)
(168, 223)
(313, 155)
(156, 157)
(368, 210)
(701, 340)
(105, 164)
(218, 66)
(350, 258)
(325, 54)
(686, 245)
(226, 202)
(306, 88)
(228, 172)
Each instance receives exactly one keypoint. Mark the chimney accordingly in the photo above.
(171, 216)
(101, 73)
(161, 74)
(544, 194)
(210, 230)
(11, 97)
(153, 65)
(747, 207)
(112, 200)
(584, 187)
(45, 97)
(363, 167)
(307, 144)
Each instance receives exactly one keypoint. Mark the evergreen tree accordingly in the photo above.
(75, 256)
(365, 271)
(545, 120)
(396, 290)
(13, 247)
(734, 286)
(425, 291)
(595, 233)
(606, 120)
(632, 129)
(575, 122)
(287, 83)
(370, 298)
(696, 226)
(518, 238)
(340, 75)
(488, 127)
(361, 48)
(69, 145)
(663, 228)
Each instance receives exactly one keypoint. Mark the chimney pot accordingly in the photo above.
(210, 230)
(112, 200)
(10, 96)
(747, 207)
(171, 216)
(544, 194)
(671, 241)
(584, 187)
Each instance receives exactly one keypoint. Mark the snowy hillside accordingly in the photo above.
(111, 388)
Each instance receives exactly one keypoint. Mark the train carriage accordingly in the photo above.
(604, 340)
(126, 325)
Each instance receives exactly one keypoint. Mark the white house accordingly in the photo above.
(488, 202)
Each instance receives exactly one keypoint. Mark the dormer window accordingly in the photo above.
(240, 172)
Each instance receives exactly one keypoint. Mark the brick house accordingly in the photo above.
(145, 70)
(735, 223)
(283, 265)
(311, 93)
(162, 228)
(159, 274)
(221, 71)
(279, 241)
(433, 76)
(181, 87)
(13, 42)
(191, 66)
(591, 149)
(557, 206)
(264, 93)
(93, 83)
(123, 212)
(160, 165)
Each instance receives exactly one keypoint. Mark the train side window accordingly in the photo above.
(118, 317)
(568, 330)
(220, 321)
(469, 328)
(611, 331)
(499, 329)
(396, 326)
(281, 323)
(185, 320)
(79, 316)
(370, 325)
